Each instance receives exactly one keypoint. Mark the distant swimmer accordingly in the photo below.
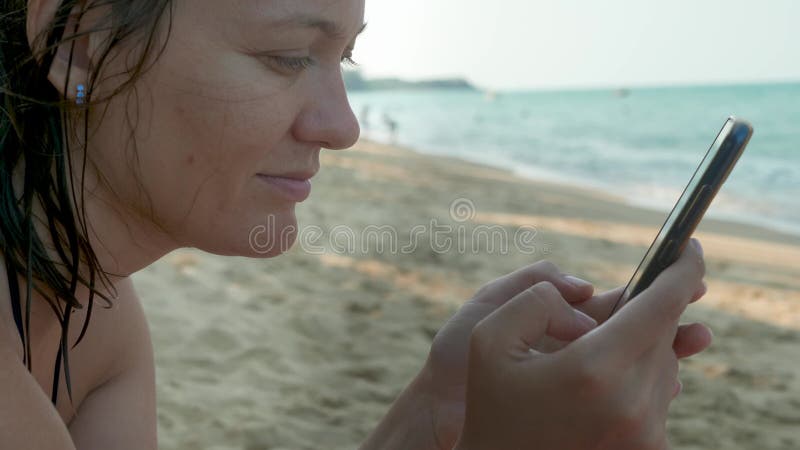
(391, 124)
(622, 92)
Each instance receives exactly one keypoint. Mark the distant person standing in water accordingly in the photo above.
(391, 125)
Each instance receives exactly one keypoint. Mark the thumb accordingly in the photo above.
(533, 313)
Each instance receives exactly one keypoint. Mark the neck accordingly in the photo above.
(124, 241)
(122, 236)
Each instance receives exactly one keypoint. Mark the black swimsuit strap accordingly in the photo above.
(13, 285)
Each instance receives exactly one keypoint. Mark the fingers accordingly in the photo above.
(670, 293)
(528, 317)
(599, 306)
(651, 315)
(691, 339)
(502, 289)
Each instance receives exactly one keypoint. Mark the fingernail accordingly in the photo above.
(697, 245)
(577, 282)
(585, 320)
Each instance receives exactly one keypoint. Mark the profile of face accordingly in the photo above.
(230, 116)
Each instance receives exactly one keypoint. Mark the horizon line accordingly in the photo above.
(598, 86)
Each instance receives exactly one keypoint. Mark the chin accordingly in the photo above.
(264, 238)
(273, 236)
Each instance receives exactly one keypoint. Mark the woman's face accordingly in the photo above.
(244, 96)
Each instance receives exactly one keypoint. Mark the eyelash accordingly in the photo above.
(348, 61)
(299, 64)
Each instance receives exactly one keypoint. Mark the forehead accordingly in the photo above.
(346, 15)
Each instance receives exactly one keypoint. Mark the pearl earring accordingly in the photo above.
(81, 97)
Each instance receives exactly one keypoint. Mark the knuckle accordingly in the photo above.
(485, 288)
(480, 339)
(480, 331)
(546, 295)
(546, 266)
(546, 290)
(438, 353)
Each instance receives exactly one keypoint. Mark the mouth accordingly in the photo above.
(295, 186)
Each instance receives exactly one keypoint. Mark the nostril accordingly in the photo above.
(346, 134)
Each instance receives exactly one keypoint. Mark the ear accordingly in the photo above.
(40, 14)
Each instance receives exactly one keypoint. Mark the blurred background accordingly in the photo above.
(620, 96)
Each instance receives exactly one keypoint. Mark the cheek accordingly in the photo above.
(203, 154)
(200, 138)
(199, 162)
(225, 123)
(217, 119)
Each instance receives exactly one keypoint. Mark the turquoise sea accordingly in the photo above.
(643, 143)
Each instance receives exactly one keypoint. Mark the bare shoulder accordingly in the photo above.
(121, 332)
(120, 413)
(112, 373)
(27, 417)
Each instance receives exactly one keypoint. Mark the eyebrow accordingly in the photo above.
(330, 29)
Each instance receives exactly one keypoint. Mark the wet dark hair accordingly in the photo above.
(35, 116)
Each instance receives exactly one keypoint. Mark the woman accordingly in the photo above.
(133, 128)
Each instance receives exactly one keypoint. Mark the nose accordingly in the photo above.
(327, 118)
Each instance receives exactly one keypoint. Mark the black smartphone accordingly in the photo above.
(688, 211)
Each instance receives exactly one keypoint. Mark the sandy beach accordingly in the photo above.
(307, 351)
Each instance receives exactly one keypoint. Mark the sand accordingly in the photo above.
(307, 351)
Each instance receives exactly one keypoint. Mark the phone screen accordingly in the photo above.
(712, 171)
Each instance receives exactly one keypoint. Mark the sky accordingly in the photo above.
(523, 44)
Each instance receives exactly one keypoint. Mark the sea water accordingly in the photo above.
(643, 144)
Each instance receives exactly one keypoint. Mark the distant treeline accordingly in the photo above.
(356, 82)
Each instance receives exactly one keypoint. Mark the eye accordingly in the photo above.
(347, 58)
(293, 64)
(299, 63)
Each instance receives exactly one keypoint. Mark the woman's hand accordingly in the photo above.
(446, 368)
(429, 413)
(609, 387)
(431, 409)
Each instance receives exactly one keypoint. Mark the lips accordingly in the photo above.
(295, 186)
(300, 175)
